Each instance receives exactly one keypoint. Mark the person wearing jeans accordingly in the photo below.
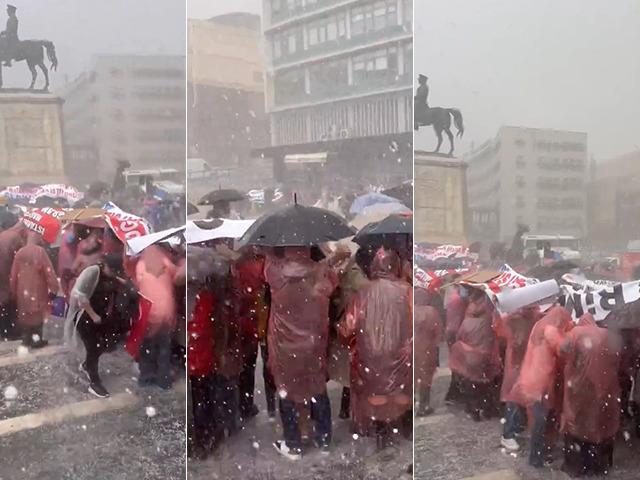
(155, 359)
(320, 415)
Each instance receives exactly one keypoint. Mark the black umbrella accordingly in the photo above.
(391, 227)
(403, 192)
(221, 195)
(191, 209)
(297, 226)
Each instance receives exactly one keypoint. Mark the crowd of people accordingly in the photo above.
(536, 368)
(89, 277)
(313, 314)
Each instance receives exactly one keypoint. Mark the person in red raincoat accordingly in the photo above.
(539, 384)
(591, 400)
(380, 321)
(32, 280)
(11, 240)
(475, 355)
(155, 274)
(201, 363)
(298, 339)
(454, 314)
(514, 329)
(249, 290)
(428, 332)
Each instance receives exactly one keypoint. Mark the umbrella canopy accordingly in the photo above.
(192, 209)
(297, 226)
(221, 195)
(377, 213)
(403, 192)
(369, 199)
(391, 226)
(205, 230)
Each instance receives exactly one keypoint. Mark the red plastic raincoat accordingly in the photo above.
(541, 368)
(11, 241)
(591, 403)
(32, 279)
(455, 310)
(428, 332)
(515, 328)
(298, 331)
(475, 355)
(380, 321)
(200, 357)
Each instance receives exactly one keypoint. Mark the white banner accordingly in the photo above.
(601, 302)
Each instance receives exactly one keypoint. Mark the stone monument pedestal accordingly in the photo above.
(440, 199)
(31, 145)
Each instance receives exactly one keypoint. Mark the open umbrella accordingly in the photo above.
(221, 195)
(392, 226)
(364, 201)
(192, 209)
(377, 213)
(297, 226)
(403, 192)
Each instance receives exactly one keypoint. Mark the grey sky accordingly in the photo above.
(539, 63)
(82, 28)
(210, 8)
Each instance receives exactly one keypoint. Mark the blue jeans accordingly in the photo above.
(226, 402)
(543, 421)
(515, 419)
(320, 414)
(155, 359)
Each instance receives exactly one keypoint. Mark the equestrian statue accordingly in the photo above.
(14, 49)
(438, 117)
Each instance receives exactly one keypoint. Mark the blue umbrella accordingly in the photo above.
(369, 199)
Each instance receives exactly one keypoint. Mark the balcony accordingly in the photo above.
(336, 92)
(298, 13)
(343, 46)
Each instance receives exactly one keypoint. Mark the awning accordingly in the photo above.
(306, 158)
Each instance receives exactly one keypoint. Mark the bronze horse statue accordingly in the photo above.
(32, 52)
(440, 118)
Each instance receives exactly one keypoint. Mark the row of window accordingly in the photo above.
(554, 146)
(365, 19)
(331, 78)
(147, 72)
(333, 121)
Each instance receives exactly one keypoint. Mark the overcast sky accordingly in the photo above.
(82, 28)
(210, 8)
(570, 64)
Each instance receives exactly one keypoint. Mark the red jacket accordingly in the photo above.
(200, 341)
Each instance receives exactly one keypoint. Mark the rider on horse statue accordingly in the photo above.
(422, 93)
(10, 36)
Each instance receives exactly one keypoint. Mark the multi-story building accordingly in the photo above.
(339, 84)
(126, 108)
(225, 90)
(614, 202)
(531, 176)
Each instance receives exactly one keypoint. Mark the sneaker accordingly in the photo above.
(40, 344)
(424, 412)
(250, 412)
(510, 444)
(98, 390)
(325, 448)
(83, 369)
(285, 451)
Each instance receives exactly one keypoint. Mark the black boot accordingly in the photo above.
(345, 403)
(425, 398)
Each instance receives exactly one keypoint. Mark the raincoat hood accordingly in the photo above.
(386, 264)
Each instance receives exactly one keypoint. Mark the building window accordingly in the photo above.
(373, 17)
(289, 86)
(326, 30)
(327, 77)
(379, 64)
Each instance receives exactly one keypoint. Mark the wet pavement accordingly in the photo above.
(250, 455)
(52, 428)
(450, 446)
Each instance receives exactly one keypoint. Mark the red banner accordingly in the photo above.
(126, 226)
(45, 221)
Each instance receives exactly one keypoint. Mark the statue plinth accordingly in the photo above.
(31, 145)
(440, 199)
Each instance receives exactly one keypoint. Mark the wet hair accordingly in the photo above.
(114, 262)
